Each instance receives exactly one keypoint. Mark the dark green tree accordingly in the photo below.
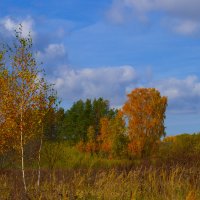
(53, 123)
(81, 116)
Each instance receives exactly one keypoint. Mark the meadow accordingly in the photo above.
(112, 184)
(69, 175)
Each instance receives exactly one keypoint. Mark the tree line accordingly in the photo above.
(110, 134)
(134, 130)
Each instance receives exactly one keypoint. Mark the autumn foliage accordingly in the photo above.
(133, 131)
(25, 97)
(112, 136)
(145, 111)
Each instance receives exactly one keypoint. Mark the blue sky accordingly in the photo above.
(109, 47)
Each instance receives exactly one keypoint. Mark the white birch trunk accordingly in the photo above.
(22, 151)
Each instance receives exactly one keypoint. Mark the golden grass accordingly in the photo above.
(176, 183)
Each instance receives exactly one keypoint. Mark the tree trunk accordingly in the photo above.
(39, 158)
(22, 152)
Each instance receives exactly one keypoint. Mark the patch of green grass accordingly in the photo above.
(67, 157)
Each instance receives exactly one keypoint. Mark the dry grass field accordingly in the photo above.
(142, 183)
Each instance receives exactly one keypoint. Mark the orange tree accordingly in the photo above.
(145, 111)
(5, 98)
(105, 137)
(91, 145)
(112, 138)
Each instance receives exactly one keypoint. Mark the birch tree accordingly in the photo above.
(26, 96)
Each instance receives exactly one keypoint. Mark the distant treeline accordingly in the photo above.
(92, 126)
(72, 125)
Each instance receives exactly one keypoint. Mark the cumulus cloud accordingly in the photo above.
(113, 83)
(8, 25)
(184, 15)
(52, 51)
(183, 94)
(52, 56)
(107, 82)
(186, 27)
(184, 8)
(49, 47)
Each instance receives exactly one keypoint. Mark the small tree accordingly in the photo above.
(145, 110)
(25, 96)
(104, 137)
(47, 102)
(118, 135)
(112, 136)
(91, 143)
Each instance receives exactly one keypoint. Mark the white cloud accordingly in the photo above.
(52, 56)
(9, 26)
(107, 82)
(183, 94)
(52, 51)
(117, 12)
(183, 16)
(187, 27)
(113, 83)
(187, 8)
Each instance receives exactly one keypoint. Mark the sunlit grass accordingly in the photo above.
(177, 183)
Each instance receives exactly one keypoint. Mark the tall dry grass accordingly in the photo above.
(175, 183)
